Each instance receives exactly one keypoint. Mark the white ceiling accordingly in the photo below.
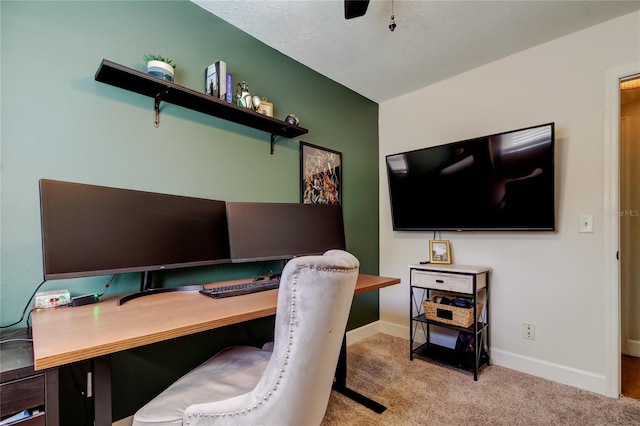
(434, 40)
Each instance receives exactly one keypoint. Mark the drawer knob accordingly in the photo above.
(440, 281)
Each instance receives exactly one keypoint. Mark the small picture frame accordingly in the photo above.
(439, 251)
(266, 108)
(320, 175)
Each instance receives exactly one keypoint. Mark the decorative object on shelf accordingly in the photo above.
(439, 251)
(159, 66)
(244, 97)
(255, 103)
(266, 108)
(292, 119)
(320, 175)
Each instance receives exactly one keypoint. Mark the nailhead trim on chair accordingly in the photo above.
(286, 358)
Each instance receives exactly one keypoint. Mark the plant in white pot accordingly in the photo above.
(159, 66)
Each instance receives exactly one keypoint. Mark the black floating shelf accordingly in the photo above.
(165, 91)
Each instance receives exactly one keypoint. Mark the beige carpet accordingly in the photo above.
(423, 393)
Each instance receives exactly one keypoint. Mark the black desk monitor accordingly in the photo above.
(90, 230)
(272, 231)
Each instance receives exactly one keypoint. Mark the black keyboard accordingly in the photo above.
(243, 288)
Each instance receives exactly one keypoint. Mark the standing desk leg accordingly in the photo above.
(340, 384)
(102, 390)
(51, 397)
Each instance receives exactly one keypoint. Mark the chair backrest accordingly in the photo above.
(313, 307)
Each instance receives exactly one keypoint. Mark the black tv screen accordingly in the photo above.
(501, 182)
(273, 231)
(90, 230)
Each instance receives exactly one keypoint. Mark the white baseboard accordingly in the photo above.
(550, 371)
(372, 328)
(558, 373)
(363, 332)
(633, 346)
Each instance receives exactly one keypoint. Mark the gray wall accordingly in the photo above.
(59, 123)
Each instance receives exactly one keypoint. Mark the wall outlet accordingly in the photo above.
(529, 331)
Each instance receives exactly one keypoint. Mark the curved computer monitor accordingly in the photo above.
(90, 230)
(272, 231)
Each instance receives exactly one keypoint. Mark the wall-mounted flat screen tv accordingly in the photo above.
(501, 182)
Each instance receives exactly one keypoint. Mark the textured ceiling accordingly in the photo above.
(434, 40)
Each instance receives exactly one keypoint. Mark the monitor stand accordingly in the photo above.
(146, 290)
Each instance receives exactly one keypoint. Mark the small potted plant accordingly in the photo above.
(159, 66)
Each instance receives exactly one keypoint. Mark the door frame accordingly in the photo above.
(611, 226)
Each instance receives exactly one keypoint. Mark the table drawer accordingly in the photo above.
(22, 394)
(447, 282)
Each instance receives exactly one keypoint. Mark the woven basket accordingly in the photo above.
(453, 315)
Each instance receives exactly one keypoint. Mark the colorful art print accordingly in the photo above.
(320, 174)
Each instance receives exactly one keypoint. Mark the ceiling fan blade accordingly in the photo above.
(355, 8)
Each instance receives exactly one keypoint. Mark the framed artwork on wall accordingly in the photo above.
(439, 251)
(320, 175)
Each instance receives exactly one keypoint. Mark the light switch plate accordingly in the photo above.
(586, 223)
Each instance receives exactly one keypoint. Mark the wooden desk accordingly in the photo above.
(65, 335)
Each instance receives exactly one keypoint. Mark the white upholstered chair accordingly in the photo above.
(285, 384)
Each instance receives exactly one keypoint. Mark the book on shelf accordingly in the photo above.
(211, 81)
(221, 71)
(215, 80)
(229, 88)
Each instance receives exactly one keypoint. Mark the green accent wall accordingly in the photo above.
(57, 122)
